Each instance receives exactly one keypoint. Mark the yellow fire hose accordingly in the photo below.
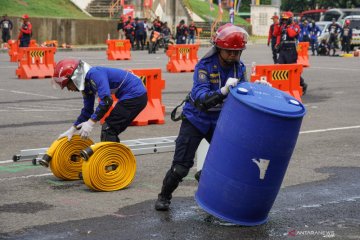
(63, 157)
(108, 166)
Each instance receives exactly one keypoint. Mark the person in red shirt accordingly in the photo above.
(25, 32)
(287, 41)
(274, 32)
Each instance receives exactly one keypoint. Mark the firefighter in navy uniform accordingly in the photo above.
(219, 69)
(77, 75)
(287, 41)
(274, 32)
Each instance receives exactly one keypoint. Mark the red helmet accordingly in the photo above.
(230, 37)
(347, 22)
(64, 70)
(25, 16)
(287, 15)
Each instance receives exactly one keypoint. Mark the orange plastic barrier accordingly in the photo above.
(118, 49)
(50, 43)
(36, 62)
(285, 77)
(182, 57)
(14, 49)
(303, 54)
(154, 112)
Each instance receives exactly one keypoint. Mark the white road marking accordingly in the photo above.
(27, 93)
(330, 129)
(303, 132)
(25, 177)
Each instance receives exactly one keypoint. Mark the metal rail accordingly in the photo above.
(137, 146)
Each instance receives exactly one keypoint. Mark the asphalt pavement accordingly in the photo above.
(319, 198)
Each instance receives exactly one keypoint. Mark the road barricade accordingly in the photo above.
(36, 62)
(285, 77)
(154, 112)
(182, 57)
(118, 49)
(13, 46)
(303, 54)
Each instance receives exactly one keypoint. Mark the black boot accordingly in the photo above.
(171, 181)
(162, 203)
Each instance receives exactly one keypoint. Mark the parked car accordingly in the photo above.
(355, 25)
(311, 15)
(339, 14)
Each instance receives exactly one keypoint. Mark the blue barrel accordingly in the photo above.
(249, 153)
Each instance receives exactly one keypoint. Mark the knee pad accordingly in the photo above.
(108, 134)
(179, 172)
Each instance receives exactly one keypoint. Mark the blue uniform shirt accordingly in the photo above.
(103, 81)
(208, 78)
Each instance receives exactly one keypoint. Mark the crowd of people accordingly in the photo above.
(310, 32)
(25, 31)
(140, 32)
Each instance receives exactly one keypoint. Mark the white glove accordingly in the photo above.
(69, 133)
(230, 82)
(86, 128)
(264, 82)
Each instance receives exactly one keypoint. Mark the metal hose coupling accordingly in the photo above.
(64, 157)
(45, 161)
(110, 166)
(86, 153)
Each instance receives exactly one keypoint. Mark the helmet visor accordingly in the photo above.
(59, 82)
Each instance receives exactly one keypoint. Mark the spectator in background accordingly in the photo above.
(25, 32)
(192, 30)
(274, 32)
(120, 28)
(146, 25)
(6, 26)
(140, 33)
(181, 32)
(129, 29)
(304, 35)
(314, 33)
(346, 36)
(334, 30)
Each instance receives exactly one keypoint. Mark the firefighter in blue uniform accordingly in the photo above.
(77, 75)
(314, 33)
(219, 69)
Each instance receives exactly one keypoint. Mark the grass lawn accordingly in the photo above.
(202, 8)
(41, 8)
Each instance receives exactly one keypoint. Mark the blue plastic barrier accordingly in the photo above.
(249, 153)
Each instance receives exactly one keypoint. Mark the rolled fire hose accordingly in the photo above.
(64, 158)
(108, 166)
